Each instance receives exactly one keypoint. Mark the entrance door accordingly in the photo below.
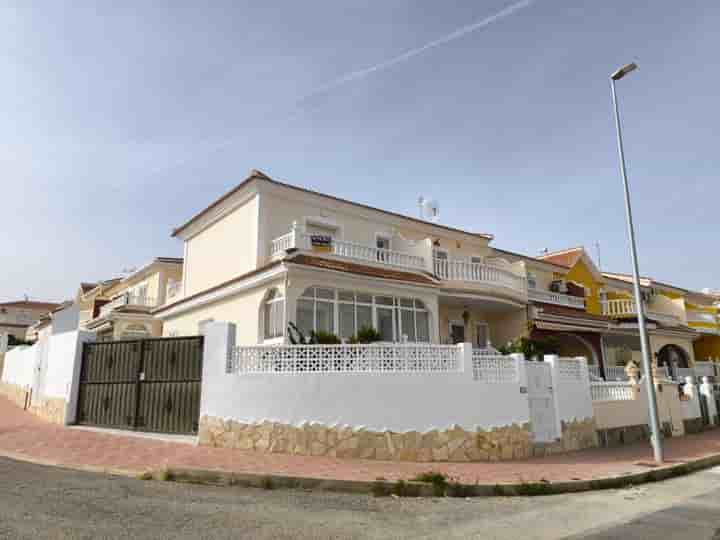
(540, 398)
(457, 332)
(481, 335)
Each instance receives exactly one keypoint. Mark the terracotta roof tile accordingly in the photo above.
(567, 257)
(31, 304)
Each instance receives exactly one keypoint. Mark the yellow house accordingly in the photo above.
(703, 315)
(121, 308)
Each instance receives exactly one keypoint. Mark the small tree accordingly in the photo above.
(531, 348)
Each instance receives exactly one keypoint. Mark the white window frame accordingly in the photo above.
(395, 309)
(437, 250)
(383, 236)
(531, 278)
(280, 297)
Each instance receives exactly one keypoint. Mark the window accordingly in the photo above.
(383, 244)
(476, 260)
(531, 281)
(347, 312)
(141, 293)
(274, 317)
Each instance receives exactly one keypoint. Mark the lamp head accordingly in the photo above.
(620, 73)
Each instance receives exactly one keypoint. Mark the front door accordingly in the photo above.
(457, 332)
(481, 335)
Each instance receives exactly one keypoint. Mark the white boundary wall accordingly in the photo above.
(691, 407)
(51, 368)
(20, 366)
(377, 401)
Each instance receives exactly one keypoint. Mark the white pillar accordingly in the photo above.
(706, 389)
(466, 364)
(554, 362)
(218, 344)
(73, 391)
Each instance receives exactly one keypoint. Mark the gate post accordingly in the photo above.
(218, 343)
(83, 337)
(554, 361)
(706, 389)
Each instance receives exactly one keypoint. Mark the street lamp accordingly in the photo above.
(647, 369)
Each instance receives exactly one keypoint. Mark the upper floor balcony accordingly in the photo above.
(418, 256)
(129, 300)
(556, 298)
(625, 308)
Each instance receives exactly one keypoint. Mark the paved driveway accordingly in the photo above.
(38, 502)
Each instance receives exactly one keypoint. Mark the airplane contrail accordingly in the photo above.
(359, 74)
(457, 34)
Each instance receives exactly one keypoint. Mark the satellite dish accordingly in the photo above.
(429, 209)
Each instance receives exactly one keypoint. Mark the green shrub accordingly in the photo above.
(400, 488)
(366, 334)
(267, 483)
(380, 488)
(438, 480)
(324, 338)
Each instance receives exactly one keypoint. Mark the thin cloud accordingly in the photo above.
(457, 34)
(302, 104)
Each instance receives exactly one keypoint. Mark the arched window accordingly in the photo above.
(345, 313)
(274, 315)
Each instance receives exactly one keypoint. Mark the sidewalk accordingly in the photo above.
(24, 436)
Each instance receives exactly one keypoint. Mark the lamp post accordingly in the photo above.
(647, 368)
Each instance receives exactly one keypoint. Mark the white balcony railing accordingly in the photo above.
(701, 317)
(127, 300)
(705, 369)
(625, 307)
(457, 270)
(612, 391)
(349, 250)
(622, 307)
(549, 297)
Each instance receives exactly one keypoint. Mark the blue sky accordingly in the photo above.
(120, 120)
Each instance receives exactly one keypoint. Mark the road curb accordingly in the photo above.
(421, 489)
(379, 487)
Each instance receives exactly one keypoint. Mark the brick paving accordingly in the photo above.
(24, 435)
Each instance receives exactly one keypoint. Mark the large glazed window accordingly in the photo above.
(344, 313)
(274, 317)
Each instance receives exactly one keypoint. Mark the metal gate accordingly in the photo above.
(146, 385)
(540, 398)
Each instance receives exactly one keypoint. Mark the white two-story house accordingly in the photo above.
(268, 253)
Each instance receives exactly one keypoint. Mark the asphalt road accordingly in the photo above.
(39, 502)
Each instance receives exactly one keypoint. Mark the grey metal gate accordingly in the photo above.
(146, 385)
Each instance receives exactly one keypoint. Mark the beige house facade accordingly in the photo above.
(268, 254)
(326, 264)
(16, 317)
(121, 308)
